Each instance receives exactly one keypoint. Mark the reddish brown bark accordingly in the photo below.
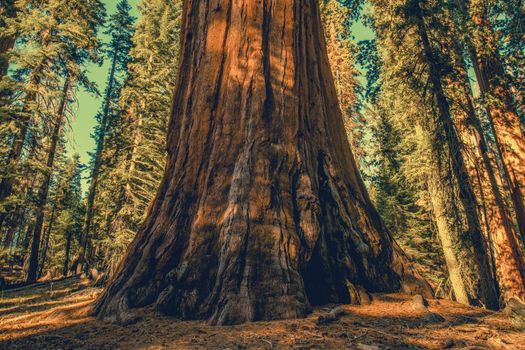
(499, 101)
(261, 212)
(502, 236)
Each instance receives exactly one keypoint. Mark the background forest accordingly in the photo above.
(433, 107)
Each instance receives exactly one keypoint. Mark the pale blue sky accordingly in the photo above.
(80, 140)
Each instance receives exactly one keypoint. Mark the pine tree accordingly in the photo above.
(51, 34)
(400, 199)
(77, 35)
(493, 82)
(342, 51)
(121, 29)
(498, 224)
(65, 219)
(130, 184)
(404, 30)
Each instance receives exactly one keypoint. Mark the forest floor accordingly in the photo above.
(56, 316)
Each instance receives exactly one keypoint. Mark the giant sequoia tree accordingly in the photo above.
(261, 212)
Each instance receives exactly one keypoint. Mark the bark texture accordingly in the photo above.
(501, 233)
(456, 256)
(261, 212)
(486, 291)
(499, 101)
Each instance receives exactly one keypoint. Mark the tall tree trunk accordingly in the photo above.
(261, 212)
(448, 232)
(508, 260)
(67, 252)
(486, 285)
(499, 101)
(45, 245)
(43, 191)
(114, 220)
(90, 210)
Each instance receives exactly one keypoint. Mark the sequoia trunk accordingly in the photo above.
(501, 233)
(261, 212)
(499, 101)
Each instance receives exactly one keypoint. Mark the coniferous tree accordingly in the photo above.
(342, 50)
(498, 98)
(51, 33)
(34, 66)
(64, 235)
(120, 28)
(130, 184)
(497, 220)
(400, 198)
(405, 32)
(77, 36)
(261, 211)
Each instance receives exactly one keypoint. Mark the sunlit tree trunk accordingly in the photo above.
(261, 212)
(486, 284)
(499, 101)
(501, 233)
(67, 251)
(45, 245)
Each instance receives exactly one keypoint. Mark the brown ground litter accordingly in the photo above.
(55, 316)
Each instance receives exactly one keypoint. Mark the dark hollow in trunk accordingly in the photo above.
(261, 212)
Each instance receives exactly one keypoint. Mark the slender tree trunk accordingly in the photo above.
(486, 285)
(499, 101)
(47, 235)
(261, 212)
(44, 188)
(69, 236)
(124, 195)
(90, 210)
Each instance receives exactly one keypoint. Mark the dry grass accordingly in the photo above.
(56, 317)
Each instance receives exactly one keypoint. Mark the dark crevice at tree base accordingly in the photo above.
(334, 274)
(256, 220)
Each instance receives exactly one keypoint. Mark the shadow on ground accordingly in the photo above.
(45, 319)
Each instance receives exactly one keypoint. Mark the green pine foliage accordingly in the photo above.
(109, 133)
(404, 149)
(55, 39)
(139, 141)
(342, 52)
(65, 218)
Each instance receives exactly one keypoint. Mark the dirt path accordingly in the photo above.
(55, 316)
